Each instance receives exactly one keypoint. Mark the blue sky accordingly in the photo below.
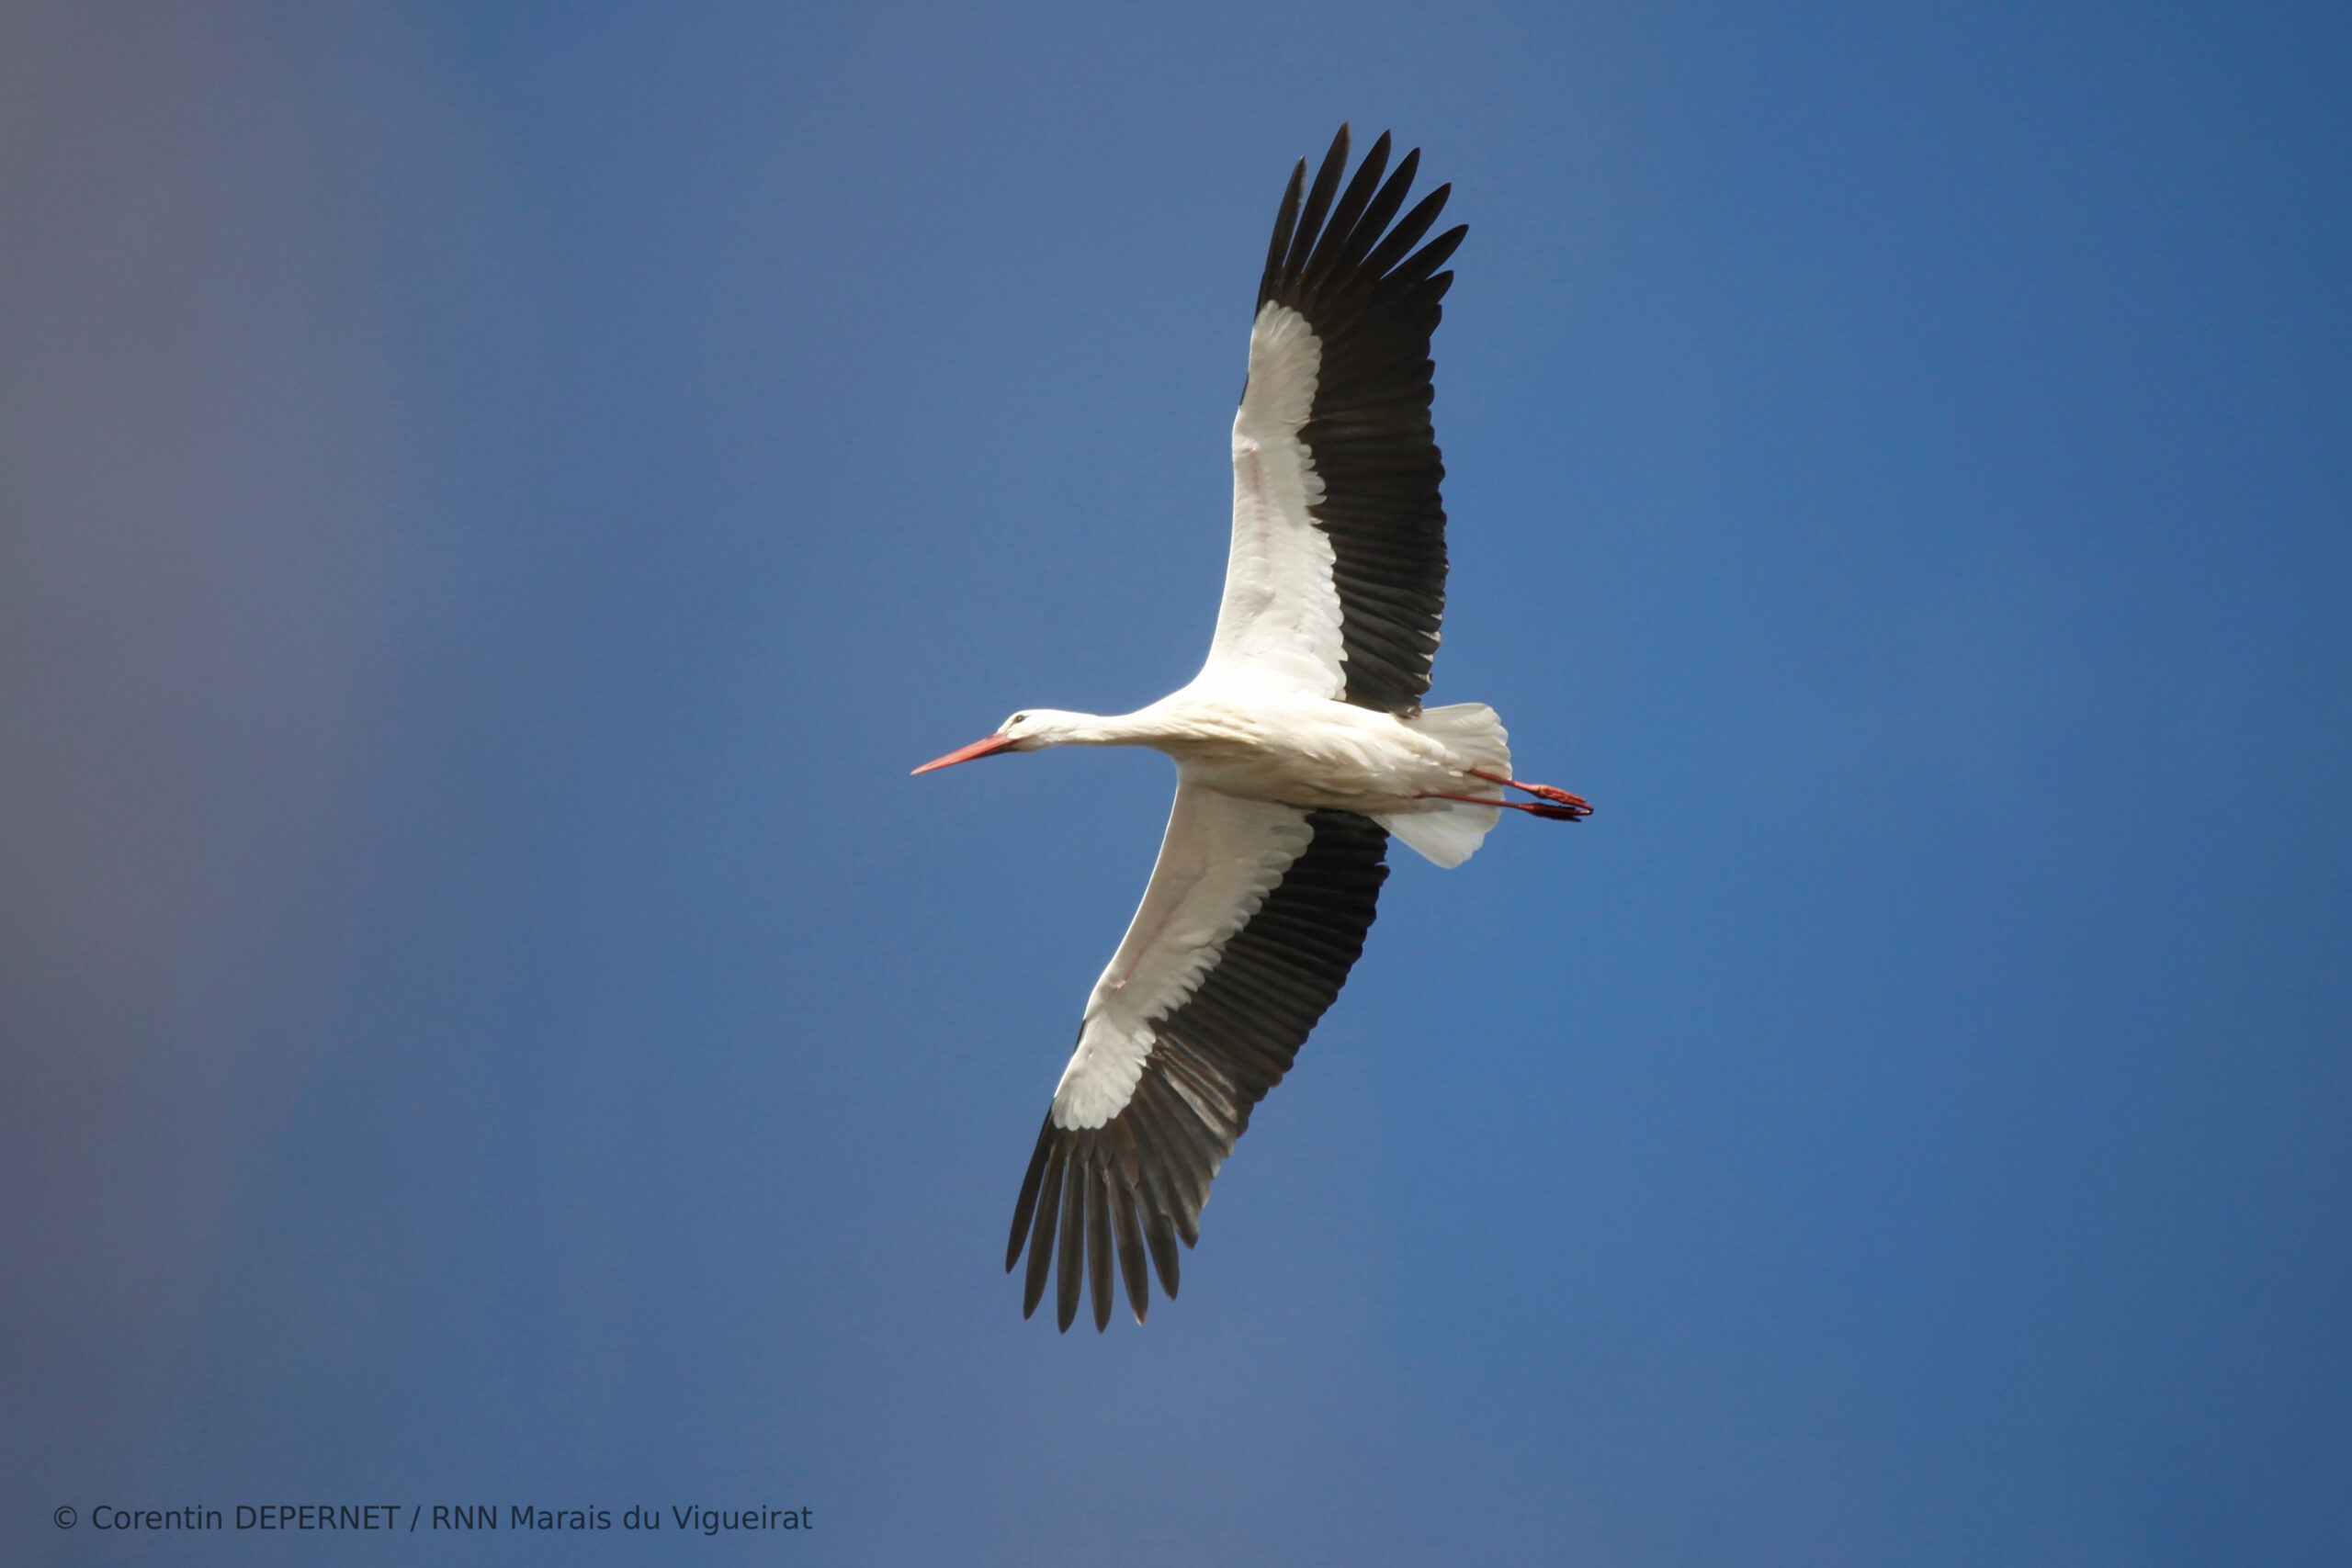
(497, 497)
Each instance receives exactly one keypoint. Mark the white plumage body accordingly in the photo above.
(1286, 749)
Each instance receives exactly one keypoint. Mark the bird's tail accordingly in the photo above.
(1449, 832)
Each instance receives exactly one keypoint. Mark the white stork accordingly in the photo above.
(1299, 748)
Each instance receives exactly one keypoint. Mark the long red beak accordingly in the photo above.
(994, 743)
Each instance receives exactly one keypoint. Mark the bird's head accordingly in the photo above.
(1030, 729)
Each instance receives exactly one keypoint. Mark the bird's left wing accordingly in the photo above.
(1254, 915)
(1335, 582)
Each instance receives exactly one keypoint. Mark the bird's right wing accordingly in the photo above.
(1254, 915)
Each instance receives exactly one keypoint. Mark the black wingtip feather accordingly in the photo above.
(1024, 1208)
(1319, 202)
(1409, 228)
(1068, 1270)
(1131, 1260)
(1162, 1233)
(1432, 256)
(1041, 1238)
(1098, 1245)
(1285, 223)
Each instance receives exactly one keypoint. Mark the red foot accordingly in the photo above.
(1564, 808)
(1575, 813)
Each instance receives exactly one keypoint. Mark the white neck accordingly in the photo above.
(1054, 727)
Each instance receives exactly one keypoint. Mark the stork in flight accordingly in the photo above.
(1300, 747)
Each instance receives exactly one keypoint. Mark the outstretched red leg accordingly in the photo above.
(1569, 807)
(1575, 811)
